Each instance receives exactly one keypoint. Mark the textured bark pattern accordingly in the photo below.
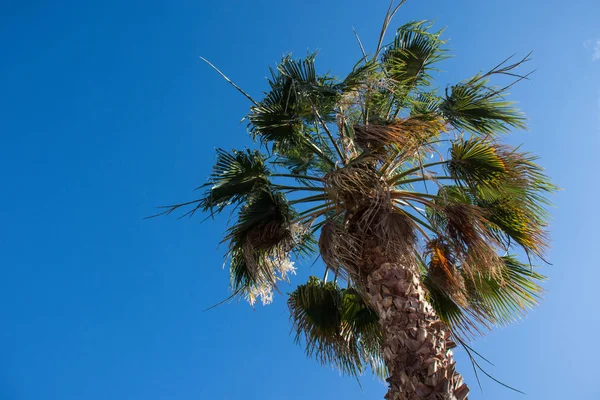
(417, 345)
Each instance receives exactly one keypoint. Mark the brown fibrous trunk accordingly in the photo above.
(416, 343)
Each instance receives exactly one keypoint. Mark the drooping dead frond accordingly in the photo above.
(407, 135)
(260, 244)
(396, 233)
(327, 243)
(443, 270)
(339, 248)
(467, 232)
(351, 186)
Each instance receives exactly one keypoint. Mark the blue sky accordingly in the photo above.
(106, 111)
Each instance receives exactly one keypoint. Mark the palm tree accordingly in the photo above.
(407, 195)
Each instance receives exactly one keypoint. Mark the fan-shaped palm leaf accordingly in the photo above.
(260, 241)
(235, 175)
(491, 299)
(339, 329)
(474, 106)
(409, 58)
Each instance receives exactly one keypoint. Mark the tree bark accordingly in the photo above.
(417, 345)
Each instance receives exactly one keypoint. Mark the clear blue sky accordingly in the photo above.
(106, 111)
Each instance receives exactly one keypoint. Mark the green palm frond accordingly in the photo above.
(235, 175)
(508, 186)
(298, 100)
(476, 162)
(463, 322)
(425, 104)
(302, 70)
(476, 107)
(278, 118)
(491, 299)
(309, 90)
(409, 58)
(337, 327)
(508, 296)
(260, 242)
(276, 123)
(298, 161)
(511, 220)
(362, 322)
(359, 76)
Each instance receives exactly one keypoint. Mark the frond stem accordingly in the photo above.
(422, 179)
(331, 138)
(297, 176)
(309, 199)
(296, 188)
(415, 169)
(318, 151)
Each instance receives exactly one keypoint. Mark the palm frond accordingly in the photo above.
(508, 185)
(406, 135)
(362, 73)
(260, 243)
(424, 104)
(337, 327)
(463, 321)
(409, 58)
(362, 322)
(297, 160)
(508, 296)
(490, 299)
(443, 270)
(463, 230)
(276, 123)
(298, 100)
(476, 162)
(235, 175)
(513, 221)
(475, 106)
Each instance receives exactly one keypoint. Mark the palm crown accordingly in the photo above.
(380, 165)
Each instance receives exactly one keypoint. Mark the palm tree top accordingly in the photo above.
(381, 165)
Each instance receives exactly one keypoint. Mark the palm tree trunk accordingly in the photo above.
(416, 347)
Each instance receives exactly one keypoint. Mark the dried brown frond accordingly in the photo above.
(443, 271)
(396, 233)
(267, 235)
(266, 251)
(351, 186)
(466, 231)
(407, 134)
(339, 248)
(327, 243)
